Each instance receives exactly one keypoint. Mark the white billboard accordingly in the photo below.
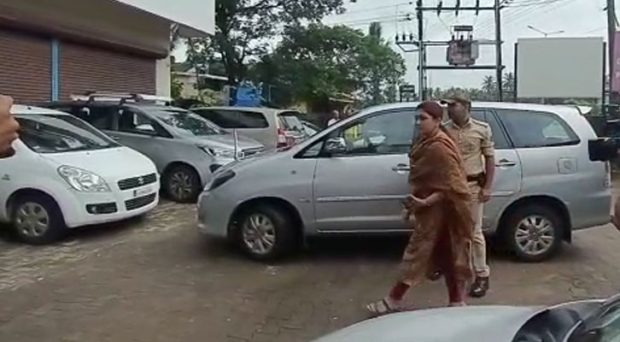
(197, 14)
(560, 67)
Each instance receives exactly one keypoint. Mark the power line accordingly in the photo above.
(372, 9)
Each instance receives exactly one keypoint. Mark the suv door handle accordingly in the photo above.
(505, 163)
(400, 168)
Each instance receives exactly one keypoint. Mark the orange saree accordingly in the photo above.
(442, 232)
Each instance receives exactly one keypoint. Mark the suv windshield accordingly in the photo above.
(53, 133)
(186, 122)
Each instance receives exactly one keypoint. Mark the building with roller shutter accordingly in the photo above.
(50, 49)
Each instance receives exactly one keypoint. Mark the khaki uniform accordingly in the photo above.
(475, 141)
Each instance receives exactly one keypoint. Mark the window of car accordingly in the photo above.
(499, 137)
(132, 121)
(529, 129)
(185, 122)
(50, 133)
(230, 118)
(101, 117)
(289, 121)
(385, 133)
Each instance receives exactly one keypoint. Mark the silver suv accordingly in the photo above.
(352, 177)
(274, 128)
(185, 147)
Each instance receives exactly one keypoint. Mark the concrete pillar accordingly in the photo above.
(162, 77)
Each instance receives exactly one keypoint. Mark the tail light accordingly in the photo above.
(285, 140)
(281, 138)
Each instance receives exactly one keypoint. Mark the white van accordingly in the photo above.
(66, 174)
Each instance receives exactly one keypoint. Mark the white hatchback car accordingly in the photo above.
(66, 174)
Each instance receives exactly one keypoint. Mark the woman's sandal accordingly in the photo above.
(381, 308)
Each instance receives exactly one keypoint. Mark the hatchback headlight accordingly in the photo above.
(82, 180)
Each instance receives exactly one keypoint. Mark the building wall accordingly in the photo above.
(37, 68)
(162, 77)
(25, 66)
(84, 68)
(102, 21)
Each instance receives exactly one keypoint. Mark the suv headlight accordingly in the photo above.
(82, 180)
(219, 152)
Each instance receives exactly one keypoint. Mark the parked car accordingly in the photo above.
(66, 174)
(546, 182)
(311, 129)
(274, 128)
(580, 321)
(185, 147)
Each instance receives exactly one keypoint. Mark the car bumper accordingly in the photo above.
(96, 208)
(591, 211)
(214, 214)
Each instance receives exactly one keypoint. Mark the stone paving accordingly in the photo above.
(156, 279)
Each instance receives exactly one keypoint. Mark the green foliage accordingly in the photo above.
(318, 61)
(176, 87)
(245, 27)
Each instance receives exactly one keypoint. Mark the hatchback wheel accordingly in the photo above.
(182, 184)
(534, 232)
(37, 219)
(266, 233)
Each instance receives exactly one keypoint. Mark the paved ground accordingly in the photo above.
(158, 280)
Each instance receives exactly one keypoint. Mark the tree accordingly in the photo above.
(245, 27)
(319, 61)
(489, 87)
(508, 86)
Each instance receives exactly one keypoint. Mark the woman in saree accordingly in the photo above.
(439, 214)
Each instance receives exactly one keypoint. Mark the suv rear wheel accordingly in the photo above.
(266, 232)
(534, 232)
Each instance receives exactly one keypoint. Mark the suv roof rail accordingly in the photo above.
(91, 96)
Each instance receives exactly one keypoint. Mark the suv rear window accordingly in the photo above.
(233, 118)
(289, 121)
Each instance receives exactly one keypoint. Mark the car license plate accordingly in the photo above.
(142, 192)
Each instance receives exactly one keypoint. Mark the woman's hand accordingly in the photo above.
(8, 126)
(417, 202)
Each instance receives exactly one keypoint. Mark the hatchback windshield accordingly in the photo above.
(50, 133)
(186, 122)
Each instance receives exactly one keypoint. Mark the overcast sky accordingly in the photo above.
(577, 18)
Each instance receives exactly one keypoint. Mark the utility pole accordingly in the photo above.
(422, 49)
(611, 44)
(611, 32)
(498, 50)
(421, 44)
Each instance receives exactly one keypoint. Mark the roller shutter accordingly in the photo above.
(85, 68)
(25, 64)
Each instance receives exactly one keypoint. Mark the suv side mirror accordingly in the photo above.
(602, 149)
(336, 145)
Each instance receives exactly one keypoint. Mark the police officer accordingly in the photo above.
(475, 142)
(8, 127)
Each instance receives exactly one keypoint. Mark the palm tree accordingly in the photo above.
(508, 85)
(489, 87)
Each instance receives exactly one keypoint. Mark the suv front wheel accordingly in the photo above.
(266, 232)
(181, 184)
(534, 232)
